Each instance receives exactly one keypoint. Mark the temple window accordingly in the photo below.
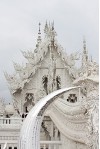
(45, 83)
(59, 134)
(29, 96)
(29, 102)
(58, 81)
(23, 115)
(26, 110)
(72, 98)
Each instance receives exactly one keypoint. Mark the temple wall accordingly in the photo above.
(70, 144)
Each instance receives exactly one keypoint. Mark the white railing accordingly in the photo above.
(50, 144)
(43, 145)
(11, 120)
(5, 146)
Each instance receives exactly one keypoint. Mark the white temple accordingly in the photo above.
(70, 122)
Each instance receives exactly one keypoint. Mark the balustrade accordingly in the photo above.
(43, 145)
(50, 144)
(11, 121)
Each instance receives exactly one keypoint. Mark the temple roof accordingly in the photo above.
(23, 74)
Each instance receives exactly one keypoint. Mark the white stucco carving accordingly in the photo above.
(30, 132)
(49, 67)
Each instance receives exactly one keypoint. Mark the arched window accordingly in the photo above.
(29, 102)
(59, 134)
(29, 97)
(72, 98)
(45, 83)
(58, 82)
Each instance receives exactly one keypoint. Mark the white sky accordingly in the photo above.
(19, 27)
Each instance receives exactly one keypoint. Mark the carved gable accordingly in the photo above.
(48, 68)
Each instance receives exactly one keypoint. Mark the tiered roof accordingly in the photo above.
(25, 73)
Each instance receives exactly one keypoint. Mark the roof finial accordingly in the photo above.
(53, 25)
(84, 44)
(91, 59)
(39, 35)
(46, 27)
(46, 23)
(39, 28)
(85, 53)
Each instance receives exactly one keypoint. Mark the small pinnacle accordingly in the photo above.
(91, 59)
(39, 28)
(53, 25)
(39, 36)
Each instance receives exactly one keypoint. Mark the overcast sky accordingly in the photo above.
(19, 27)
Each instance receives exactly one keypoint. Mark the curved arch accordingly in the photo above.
(30, 132)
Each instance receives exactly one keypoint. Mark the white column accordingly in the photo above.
(49, 146)
(54, 146)
(56, 133)
(44, 147)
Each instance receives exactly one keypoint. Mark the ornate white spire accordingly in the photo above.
(39, 36)
(25, 73)
(84, 54)
(46, 28)
(49, 31)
